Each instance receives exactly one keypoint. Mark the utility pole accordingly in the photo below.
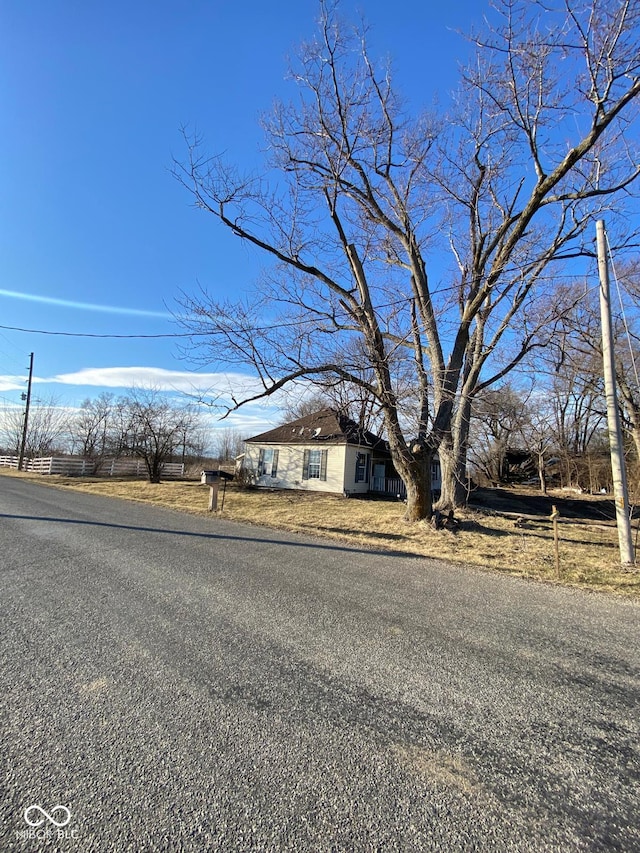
(26, 414)
(620, 489)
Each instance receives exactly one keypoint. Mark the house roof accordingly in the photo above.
(327, 426)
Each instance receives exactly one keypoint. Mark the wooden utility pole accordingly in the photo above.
(620, 489)
(23, 444)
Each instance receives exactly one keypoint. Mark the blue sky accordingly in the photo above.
(96, 236)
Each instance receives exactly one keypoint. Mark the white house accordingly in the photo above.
(325, 452)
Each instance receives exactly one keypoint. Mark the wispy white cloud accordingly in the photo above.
(12, 383)
(216, 391)
(246, 421)
(213, 385)
(84, 306)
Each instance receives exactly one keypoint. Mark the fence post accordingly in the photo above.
(554, 518)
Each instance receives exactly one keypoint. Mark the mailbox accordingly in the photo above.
(210, 478)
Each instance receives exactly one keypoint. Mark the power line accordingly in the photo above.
(92, 335)
(624, 316)
(6, 358)
(11, 343)
(392, 304)
(163, 335)
(7, 400)
(11, 358)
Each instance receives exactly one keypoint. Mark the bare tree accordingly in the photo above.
(228, 443)
(627, 338)
(538, 437)
(155, 429)
(360, 196)
(92, 429)
(498, 419)
(352, 401)
(47, 428)
(577, 355)
(577, 407)
(302, 407)
(11, 428)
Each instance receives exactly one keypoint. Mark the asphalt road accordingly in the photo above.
(184, 684)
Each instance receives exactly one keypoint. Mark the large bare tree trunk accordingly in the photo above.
(453, 464)
(453, 460)
(414, 467)
(417, 479)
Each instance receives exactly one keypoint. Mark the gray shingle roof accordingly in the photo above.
(327, 426)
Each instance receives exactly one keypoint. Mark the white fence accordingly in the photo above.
(77, 466)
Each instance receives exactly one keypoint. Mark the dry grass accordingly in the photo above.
(489, 540)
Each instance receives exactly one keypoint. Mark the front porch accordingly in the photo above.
(385, 479)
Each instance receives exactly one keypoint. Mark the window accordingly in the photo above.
(362, 468)
(268, 463)
(315, 460)
(314, 466)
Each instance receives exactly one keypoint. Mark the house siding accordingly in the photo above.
(341, 463)
(350, 484)
(290, 467)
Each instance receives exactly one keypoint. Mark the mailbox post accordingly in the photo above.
(211, 479)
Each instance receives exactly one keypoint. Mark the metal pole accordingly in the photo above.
(620, 489)
(26, 415)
